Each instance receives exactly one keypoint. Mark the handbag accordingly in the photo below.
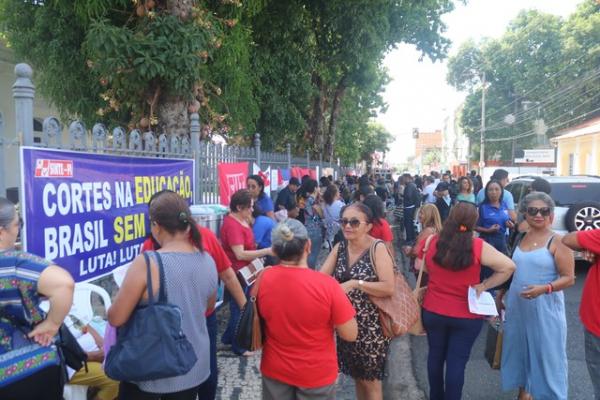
(419, 294)
(493, 344)
(151, 345)
(249, 333)
(398, 312)
(70, 351)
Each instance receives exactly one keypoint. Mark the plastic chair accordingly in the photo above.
(75, 392)
(82, 301)
(82, 309)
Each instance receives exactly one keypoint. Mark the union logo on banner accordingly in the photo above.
(53, 168)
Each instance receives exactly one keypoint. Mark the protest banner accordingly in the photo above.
(300, 172)
(232, 177)
(88, 212)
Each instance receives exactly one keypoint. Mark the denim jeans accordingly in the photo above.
(450, 341)
(229, 334)
(592, 358)
(208, 389)
(498, 241)
(409, 224)
(316, 238)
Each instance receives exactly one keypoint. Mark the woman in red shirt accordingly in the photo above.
(239, 245)
(381, 228)
(299, 355)
(453, 262)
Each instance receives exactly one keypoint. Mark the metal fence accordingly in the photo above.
(101, 139)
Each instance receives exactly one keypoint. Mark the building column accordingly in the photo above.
(595, 168)
(577, 157)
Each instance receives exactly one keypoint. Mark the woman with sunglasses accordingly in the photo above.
(362, 276)
(27, 355)
(534, 354)
(256, 187)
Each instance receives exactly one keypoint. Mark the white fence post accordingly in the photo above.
(195, 137)
(2, 182)
(23, 94)
(257, 145)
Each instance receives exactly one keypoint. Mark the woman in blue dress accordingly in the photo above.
(313, 219)
(534, 354)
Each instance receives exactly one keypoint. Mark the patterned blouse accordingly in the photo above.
(19, 299)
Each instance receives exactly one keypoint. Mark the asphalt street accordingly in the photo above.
(481, 382)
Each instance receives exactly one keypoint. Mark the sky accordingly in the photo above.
(418, 95)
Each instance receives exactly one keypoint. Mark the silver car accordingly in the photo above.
(577, 200)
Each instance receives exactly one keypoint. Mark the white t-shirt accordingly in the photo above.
(428, 190)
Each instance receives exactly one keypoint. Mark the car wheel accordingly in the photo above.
(583, 216)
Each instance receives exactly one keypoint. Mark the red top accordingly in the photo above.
(589, 309)
(447, 290)
(300, 308)
(233, 233)
(211, 245)
(381, 230)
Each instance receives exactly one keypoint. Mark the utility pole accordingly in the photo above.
(514, 131)
(482, 143)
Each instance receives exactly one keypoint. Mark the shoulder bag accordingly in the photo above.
(419, 293)
(151, 345)
(249, 332)
(493, 344)
(398, 312)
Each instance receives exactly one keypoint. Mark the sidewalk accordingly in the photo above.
(239, 377)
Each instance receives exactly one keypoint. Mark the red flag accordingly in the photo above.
(232, 177)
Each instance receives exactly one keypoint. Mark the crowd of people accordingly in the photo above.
(317, 312)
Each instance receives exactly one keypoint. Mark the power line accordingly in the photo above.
(533, 131)
(563, 94)
(540, 84)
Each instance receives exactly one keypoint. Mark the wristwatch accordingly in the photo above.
(360, 284)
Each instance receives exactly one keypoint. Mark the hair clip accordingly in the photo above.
(462, 228)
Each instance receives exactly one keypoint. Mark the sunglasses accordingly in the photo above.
(354, 223)
(533, 211)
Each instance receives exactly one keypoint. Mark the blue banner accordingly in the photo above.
(88, 212)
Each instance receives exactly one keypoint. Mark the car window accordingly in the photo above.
(516, 189)
(566, 194)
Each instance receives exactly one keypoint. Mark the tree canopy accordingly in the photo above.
(543, 68)
(306, 72)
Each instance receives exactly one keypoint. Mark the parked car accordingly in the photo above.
(577, 200)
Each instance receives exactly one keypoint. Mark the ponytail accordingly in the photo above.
(196, 237)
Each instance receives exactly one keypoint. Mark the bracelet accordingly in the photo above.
(549, 288)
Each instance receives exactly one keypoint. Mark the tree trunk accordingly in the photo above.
(315, 134)
(173, 116)
(172, 111)
(336, 107)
